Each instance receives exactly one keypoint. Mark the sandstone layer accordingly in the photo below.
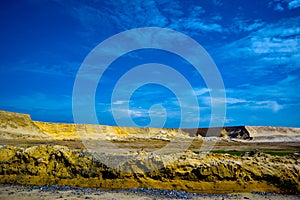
(212, 173)
(20, 126)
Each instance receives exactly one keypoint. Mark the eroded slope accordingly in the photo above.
(59, 165)
(20, 126)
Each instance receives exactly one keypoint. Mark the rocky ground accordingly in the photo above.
(69, 193)
(202, 173)
(54, 161)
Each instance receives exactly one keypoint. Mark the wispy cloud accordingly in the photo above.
(273, 105)
(294, 4)
(201, 91)
(274, 97)
(241, 24)
(119, 102)
(124, 15)
(281, 5)
(276, 5)
(264, 49)
(193, 25)
(257, 54)
(239, 102)
(62, 69)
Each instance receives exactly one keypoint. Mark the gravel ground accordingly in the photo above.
(69, 193)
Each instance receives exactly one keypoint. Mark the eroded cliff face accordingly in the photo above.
(59, 131)
(20, 126)
(16, 125)
(213, 173)
(274, 134)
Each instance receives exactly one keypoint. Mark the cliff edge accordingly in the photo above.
(20, 126)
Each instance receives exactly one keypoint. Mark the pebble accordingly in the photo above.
(150, 192)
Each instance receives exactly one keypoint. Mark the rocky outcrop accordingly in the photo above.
(273, 134)
(238, 132)
(59, 165)
(59, 131)
(20, 126)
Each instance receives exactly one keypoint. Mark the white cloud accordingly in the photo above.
(119, 102)
(123, 113)
(278, 7)
(294, 4)
(272, 105)
(125, 15)
(242, 25)
(201, 91)
(275, 97)
(197, 25)
(197, 11)
(262, 50)
(253, 26)
(133, 14)
(228, 101)
(274, 45)
(249, 102)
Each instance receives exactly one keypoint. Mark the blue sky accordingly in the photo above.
(255, 45)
